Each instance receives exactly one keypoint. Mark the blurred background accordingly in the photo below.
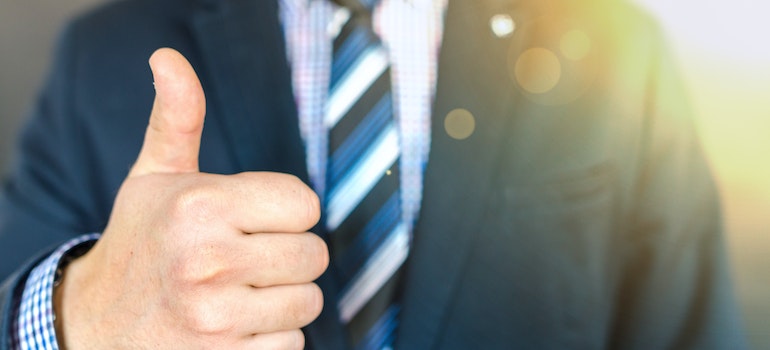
(723, 53)
(28, 29)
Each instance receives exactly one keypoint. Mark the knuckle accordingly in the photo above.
(205, 318)
(321, 254)
(307, 202)
(199, 265)
(299, 307)
(309, 305)
(306, 255)
(312, 206)
(298, 340)
(196, 202)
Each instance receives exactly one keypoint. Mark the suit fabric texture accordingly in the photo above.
(583, 217)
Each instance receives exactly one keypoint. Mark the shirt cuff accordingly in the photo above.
(34, 323)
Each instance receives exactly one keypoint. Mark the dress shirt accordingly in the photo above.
(34, 328)
(411, 32)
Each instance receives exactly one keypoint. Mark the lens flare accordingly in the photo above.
(459, 124)
(537, 70)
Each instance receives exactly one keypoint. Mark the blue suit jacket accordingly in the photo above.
(583, 217)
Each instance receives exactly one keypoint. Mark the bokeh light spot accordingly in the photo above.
(459, 124)
(537, 70)
(502, 25)
(575, 44)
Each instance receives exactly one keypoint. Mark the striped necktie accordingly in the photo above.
(369, 241)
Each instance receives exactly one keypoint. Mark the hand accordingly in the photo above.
(192, 260)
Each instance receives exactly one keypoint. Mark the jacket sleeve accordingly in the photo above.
(10, 294)
(675, 291)
(44, 201)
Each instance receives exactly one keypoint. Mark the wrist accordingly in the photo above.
(65, 272)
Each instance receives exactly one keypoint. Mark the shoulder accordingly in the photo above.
(135, 13)
(131, 23)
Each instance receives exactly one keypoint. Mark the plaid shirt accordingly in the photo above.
(34, 326)
(411, 30)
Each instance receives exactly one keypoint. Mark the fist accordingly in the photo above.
(192, 260)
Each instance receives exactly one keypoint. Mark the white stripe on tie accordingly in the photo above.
(364, 72)
(361, 179)
(378, 270)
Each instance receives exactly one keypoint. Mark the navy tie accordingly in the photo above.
(369, 240)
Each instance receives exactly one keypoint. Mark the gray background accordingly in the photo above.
(27, 31)
(723, 88)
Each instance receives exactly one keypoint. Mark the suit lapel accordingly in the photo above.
(244, 53)
(460, 175)
(249, 83)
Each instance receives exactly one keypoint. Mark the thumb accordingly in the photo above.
(173, 137)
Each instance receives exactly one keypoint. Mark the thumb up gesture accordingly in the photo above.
(192, 260)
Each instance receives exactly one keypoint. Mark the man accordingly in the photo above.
(565, 202)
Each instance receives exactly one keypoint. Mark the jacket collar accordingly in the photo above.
(243, 49)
